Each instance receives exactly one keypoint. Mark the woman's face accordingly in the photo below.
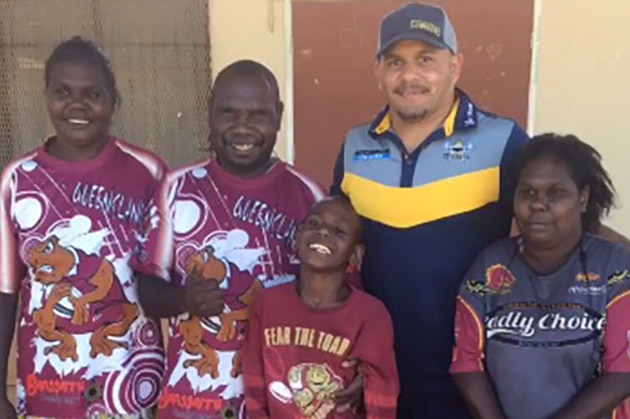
(548, 205)
(79, 105)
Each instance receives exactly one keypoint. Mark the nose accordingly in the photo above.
(77, 101)
(240, 127)
(407, 76)
(540, 203)
(323, 230)
(410, 72)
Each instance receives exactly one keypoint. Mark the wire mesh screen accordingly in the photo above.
(160, 50)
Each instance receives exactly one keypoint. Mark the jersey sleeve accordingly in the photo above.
(155, 256)
(313, 190)
(253, 367)
(12, 270)
(616, 356)
(468, 352)
(317, 192)
(375, 352)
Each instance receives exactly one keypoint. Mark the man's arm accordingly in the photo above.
(509, 166)
(338, 171)
(159, 298)
(159, 294)
(612, 235)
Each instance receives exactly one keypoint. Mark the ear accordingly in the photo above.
(456, 64)
(356, 258)
(279, 113)
(378, 72)
(585, 195)
(210, 113)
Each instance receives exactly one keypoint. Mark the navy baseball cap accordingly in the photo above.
(420, 22)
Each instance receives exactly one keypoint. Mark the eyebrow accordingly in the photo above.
(542, 182)
(422, 51)
(87, 85)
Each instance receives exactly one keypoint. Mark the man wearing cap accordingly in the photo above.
(430, 179)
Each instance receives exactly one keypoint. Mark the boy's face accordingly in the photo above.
(328, 237)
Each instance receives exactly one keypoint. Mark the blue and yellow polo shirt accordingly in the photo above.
(426, 216)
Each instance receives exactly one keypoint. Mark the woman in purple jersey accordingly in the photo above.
(71, 221)
(543, 320)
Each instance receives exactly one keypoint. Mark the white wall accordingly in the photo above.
(252, 29)
(583, 83)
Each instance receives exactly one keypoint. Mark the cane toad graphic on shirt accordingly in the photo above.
(69, 232)
(310, 388)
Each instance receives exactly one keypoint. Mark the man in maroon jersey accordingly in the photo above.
(226, 230)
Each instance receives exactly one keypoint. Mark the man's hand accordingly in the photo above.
(203, 297)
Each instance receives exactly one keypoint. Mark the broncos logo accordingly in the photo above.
(80, 297)
(204, 264)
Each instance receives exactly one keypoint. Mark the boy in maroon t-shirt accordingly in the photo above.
(301, 333)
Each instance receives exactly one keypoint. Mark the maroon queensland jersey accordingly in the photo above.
(294, 354)
(241, 233)
(68, 233)
(542, 339)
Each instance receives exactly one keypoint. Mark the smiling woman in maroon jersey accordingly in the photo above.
(543, 319)
(71, 220)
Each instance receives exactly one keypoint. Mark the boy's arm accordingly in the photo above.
(375, 352)
(253, 366)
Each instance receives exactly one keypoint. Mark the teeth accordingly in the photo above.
(76, 121)
(47, 269)
(320, 248)
(243, 147)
